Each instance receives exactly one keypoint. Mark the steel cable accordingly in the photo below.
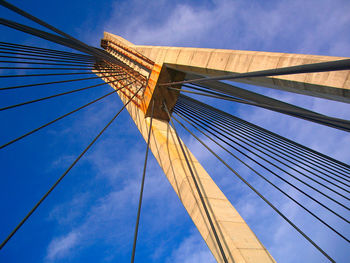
(281, 140)
(65, 173)
(54, 96)
(197, 188)
(15, 46)
(263, 198)
(61, 117)
(58, 82)
(268, 181)
(218, 119)
(336, 65)
(142, 186)
(223, 133)
(275, 174)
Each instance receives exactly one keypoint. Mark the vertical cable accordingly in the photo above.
(198, 189)
(141, 191)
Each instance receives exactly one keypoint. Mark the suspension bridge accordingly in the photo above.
(156, 85)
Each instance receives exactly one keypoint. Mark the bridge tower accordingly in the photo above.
(228, 235)
(150, 79)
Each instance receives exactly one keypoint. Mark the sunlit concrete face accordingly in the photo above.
(213, 62)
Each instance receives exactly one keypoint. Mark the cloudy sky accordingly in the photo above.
(90, 217)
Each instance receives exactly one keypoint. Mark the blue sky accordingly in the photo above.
(91, 215)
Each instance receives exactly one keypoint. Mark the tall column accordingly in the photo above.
(239, 243)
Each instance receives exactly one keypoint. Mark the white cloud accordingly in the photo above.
(116, 209)
(66, 214)
(191, 250)
(296, 26)
(317, 27)
(184, 22)
(61, 247)
(327, 140)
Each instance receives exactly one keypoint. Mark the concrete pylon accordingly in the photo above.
(166, 64)
(333, 85)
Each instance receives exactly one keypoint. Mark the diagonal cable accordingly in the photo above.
(198, 189)
(266, 180)
(56, 82)
(301, 149)
(278, 167)
(64, 174)
(343, 64)
(61, 117)
(142, 186)
(263, 198)
(54, 96)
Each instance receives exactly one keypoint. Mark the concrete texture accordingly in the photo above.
(239, 242)
(213, 62)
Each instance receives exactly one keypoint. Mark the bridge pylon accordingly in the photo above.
(155, 65)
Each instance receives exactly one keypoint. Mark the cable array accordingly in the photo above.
(274, 155)
(66, 67)
(267, 155)
(219, 90)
